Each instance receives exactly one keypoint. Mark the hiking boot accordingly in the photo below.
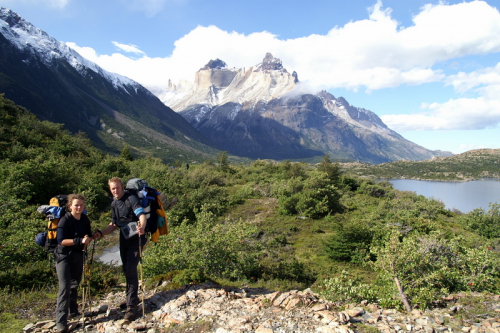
(62, 328)
(130, 314)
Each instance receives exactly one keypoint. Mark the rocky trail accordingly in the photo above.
(212, 308)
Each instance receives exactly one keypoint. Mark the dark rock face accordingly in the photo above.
(271, 64)
(215, 64)
(295, 128)
(250, 133)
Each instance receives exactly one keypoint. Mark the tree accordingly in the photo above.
(126, 155)
(223, 161)
(331, 169)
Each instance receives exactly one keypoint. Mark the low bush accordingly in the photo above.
(485, 223)
(221, 250)
(427, 267)
(347, 288)
(34, 275)
(351, 242)
(314, 197)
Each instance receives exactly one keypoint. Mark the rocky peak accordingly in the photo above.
(326, 95)
(9, 16)
(271, 63)
(296, 76)
(22, 33)
(215, 64)
(343, 101)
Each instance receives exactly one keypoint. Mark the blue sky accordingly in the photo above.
(429, 69)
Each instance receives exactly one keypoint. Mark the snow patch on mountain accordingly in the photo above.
(27, 37)
(218, 85)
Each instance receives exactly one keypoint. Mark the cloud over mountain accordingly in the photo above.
(369, 54)
(375, 53)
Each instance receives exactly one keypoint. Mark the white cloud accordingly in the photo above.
(128, 48)
(485, 79)
(370, 54)
(456, 114)
(463, 113)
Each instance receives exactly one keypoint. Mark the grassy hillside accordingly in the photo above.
(474, 164)
(276, 225)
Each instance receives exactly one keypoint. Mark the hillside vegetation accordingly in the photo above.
(275, 225)
(474, 164)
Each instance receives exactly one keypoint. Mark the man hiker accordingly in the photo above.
(128, 215)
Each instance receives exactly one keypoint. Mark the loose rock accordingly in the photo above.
(211, 308)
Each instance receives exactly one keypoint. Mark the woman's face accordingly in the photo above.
(77, 206)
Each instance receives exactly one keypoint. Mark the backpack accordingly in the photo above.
(53, 211)
(149, 198)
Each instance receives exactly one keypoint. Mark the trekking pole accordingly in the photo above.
(140, 269)
(90, 278)
(84, 284)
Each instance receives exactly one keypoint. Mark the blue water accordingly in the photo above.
(464, 196)
(111, 256)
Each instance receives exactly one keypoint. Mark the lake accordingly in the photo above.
(111, 256)
(464, 196)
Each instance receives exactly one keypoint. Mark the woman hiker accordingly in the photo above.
(73, 233)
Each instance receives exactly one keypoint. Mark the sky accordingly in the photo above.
(429, 69)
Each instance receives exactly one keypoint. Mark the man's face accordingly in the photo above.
(116, 190)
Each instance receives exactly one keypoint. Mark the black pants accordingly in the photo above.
(129, 254)
(69, 270)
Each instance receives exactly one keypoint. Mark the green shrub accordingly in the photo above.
(485, 223)
(428, 267)
(217, 249)
(177, 279)
(188, 276)
(380, 189)
(289, 270)
(347, 288)
(350, 242)
(34, 275)
(331, 169)
(103, 277)
(212, 199)
(315, 197)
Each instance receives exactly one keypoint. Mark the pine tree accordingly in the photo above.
(126, 155)
(223, 161)
(331, 169)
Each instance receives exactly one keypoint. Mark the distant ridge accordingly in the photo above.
(471, 165)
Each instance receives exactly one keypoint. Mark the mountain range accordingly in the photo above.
(254, 112)
(261, 112)
(57, 84)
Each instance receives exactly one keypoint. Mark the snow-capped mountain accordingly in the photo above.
(57, 84)
(31, 39)
(216, 84)
(260, 112)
